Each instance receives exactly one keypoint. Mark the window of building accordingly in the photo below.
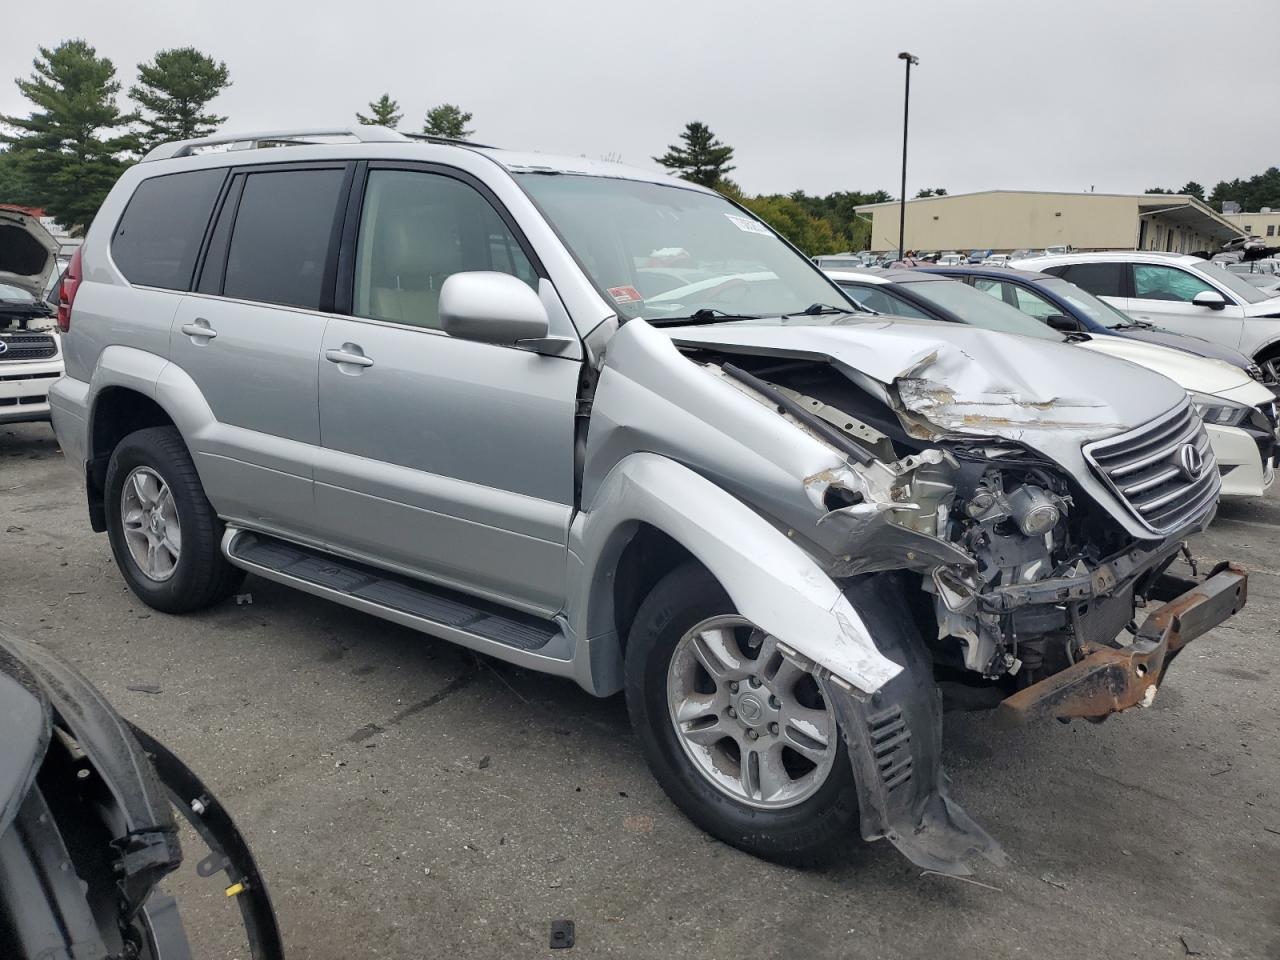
(156, 242)
(1271, 230)
(280, 242)
(416, 230)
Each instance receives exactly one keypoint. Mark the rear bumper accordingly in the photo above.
(69, 410)
(1111, 679)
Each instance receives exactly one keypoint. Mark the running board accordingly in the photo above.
(468, 621)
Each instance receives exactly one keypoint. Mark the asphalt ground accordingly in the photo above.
(406, 799)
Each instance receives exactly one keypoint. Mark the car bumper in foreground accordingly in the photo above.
(1110, 679)
(24, 389)
(1246, 471)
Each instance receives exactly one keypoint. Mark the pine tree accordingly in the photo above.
(174, 89)
(72, 147)
(702, 159)
(383, 112)
(447, 120)
(1191, 188)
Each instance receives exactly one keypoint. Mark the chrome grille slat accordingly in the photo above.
(1144, 469)
(28, 346)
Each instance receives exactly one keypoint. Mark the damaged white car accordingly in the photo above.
(608, 425)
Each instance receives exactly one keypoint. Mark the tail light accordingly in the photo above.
(67, 288)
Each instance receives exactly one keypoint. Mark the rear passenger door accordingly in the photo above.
(446, 458)
(249, 335)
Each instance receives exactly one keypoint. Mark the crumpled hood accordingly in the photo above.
(967, 380)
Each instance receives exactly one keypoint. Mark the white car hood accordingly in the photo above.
(1267, 308)
(1187, 370)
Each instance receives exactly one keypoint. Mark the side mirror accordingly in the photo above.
(491, 307)
(1060, 321)
(1209, 298)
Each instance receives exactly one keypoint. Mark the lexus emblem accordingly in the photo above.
(4, 347)
(1191, 460)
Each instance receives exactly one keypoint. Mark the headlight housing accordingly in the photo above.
(1215, 410)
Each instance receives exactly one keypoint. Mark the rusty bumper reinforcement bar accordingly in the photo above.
(1110, 679)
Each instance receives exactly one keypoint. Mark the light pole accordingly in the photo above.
(906, 108)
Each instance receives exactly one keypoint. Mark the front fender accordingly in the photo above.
(771, 581)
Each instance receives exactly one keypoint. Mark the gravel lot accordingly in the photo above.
(405, 799)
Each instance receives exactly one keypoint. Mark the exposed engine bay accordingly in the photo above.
(997, 532)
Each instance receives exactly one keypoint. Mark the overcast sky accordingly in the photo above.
(1117, 94)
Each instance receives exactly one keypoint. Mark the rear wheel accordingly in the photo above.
(164, 533)
(738, 736)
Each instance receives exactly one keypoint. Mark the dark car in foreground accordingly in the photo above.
(87, 827)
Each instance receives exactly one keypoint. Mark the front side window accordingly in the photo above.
(417, 229)
(280, 242)
(1153, 281)
(664, 252)
(156, 242)
(1100, 279)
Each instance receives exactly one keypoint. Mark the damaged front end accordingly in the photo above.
(983, 566)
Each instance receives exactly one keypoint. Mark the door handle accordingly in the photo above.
(200, 328)
(349, 353)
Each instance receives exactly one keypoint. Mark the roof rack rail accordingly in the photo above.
(450, 141)
(362, 132)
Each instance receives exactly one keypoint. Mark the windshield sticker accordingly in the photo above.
(747, 225)
(625, 295)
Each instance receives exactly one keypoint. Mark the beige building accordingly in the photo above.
(1007, 220)
(1265, 223)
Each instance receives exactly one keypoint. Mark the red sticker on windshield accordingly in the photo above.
(625, 295)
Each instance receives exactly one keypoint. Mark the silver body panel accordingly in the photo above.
(454, 461)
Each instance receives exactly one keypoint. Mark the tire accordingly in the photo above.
(816, 830)
(201, 576)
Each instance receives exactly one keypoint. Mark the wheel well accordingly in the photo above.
(647, 558)
(1267, 352)
(117, 412)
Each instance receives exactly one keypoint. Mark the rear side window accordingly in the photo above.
(1100, 279)
(280, 243)
(158, 239)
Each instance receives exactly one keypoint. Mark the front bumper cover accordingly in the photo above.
(1110, 679)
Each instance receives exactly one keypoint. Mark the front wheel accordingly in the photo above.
(739, 737)
(164, 533)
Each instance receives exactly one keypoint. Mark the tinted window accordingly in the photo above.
(280, 243)
(158, 239)
(1100, 279)
(416, 229)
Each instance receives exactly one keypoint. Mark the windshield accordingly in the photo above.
(981, 309)
(1241, 287)
(658, 251)
(1096, 310)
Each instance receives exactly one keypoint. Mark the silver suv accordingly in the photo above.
(608, 425)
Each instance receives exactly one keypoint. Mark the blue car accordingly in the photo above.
(1066, 307)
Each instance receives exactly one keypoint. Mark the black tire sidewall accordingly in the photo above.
(811, 832)
(200, 560)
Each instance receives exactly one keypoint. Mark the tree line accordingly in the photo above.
(1254, 193)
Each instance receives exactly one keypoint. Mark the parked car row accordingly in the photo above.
(1240, 414)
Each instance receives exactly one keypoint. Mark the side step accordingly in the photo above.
(469, 621)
